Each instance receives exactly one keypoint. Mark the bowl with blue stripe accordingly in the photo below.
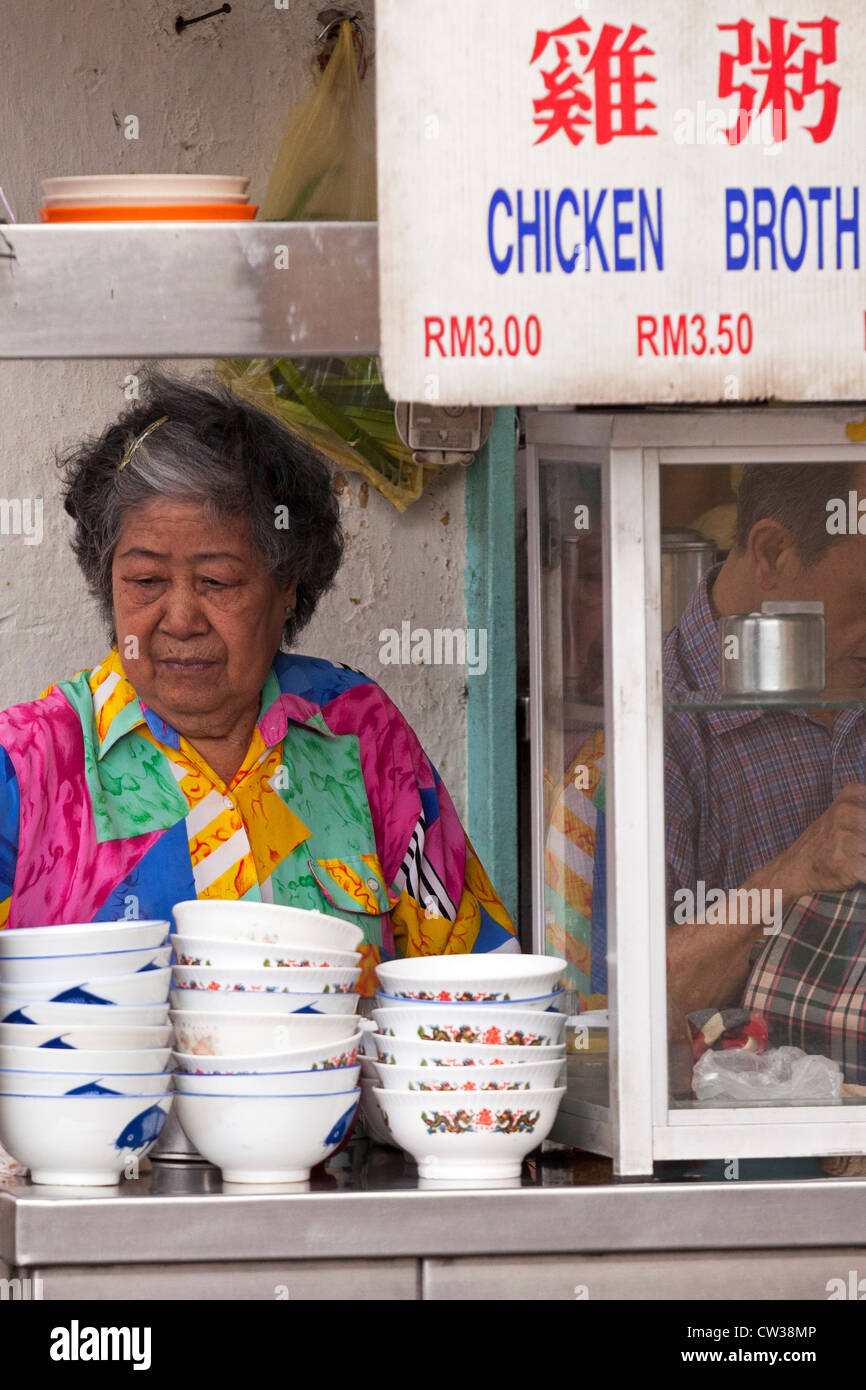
(85, 1140)
(83, 938)
(32, 970)
(143, 987)
(278, 1138)
(82, 1083)
(34, 1011)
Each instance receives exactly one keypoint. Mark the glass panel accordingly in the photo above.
(572, 700)
(765, 784)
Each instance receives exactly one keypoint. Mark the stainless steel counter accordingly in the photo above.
(366, 1222)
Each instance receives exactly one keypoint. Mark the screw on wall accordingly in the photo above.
(180, 23)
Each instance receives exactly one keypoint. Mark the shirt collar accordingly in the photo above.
(117, 709)
(691, 659)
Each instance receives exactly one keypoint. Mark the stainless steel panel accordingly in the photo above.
(396, 1221)
(741, 1276)
(189, 289)
(262, 1281)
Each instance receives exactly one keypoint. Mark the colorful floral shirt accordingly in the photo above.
(106, 812)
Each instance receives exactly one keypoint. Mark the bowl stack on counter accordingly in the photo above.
(266, 1036)
(470, 1061)
(84, 1048)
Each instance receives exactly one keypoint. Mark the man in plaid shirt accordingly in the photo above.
(774, 799)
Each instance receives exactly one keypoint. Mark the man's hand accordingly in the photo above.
(829, 856)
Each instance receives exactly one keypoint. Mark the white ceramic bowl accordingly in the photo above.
(275, 1083)
(477, 1024)
(26, 970)
(82, 1036)
(472, 979)
(544, 1001)
(54, 1059)
(122, 1015)
(209, 1034)
(469, 1135)
(84, 938)
(222, 920)
(413, 1052)
(80, 1141)
(318, 1058)
(237, 981)
(258, 955)
(530, 1076)
(144, 987)
(53, 1083)
(373, 1118)
(268, 1005)
(212, 186)
(267, 1138)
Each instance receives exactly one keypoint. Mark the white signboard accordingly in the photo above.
(622, 200)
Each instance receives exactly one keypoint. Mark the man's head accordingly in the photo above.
(787, 546)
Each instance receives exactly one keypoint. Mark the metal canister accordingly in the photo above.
(686, 557)
(779, 651)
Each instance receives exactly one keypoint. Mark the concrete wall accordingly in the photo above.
(211, 100)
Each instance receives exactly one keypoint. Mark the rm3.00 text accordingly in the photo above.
(479, 335)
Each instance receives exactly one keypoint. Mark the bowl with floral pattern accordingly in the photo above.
(486, 1025)
(486, 978)
(258, 955)
(274, 923)
(542, 1076)
(415, 1052)
(320, 1082)
(210, 1035)
(312, 980)
(469, 1134)
(550, 1002)
(278, 1004)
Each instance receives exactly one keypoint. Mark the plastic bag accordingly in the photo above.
(782, 1073)
(326, 172)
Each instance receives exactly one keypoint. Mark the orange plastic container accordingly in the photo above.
(178, 212)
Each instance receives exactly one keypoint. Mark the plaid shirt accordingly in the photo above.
(810, 983)
(742, 785)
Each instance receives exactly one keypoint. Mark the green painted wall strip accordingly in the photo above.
(491, 700)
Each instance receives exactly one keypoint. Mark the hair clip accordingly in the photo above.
(140, 440)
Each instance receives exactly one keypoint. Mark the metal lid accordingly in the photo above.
(778, 607)
(684, 538)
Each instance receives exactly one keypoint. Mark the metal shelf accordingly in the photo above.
(188, 289)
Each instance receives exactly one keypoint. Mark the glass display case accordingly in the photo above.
(698, 746)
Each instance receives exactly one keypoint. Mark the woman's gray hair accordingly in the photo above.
(228, 455)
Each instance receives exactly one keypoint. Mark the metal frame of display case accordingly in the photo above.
(640, 1127)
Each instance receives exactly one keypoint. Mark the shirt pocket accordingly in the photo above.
(354, 883)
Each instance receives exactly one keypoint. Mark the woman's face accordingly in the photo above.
(197, 616)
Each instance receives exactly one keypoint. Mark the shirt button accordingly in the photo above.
(372, 883)
(228, 803)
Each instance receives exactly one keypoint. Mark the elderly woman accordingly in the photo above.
(199, 758)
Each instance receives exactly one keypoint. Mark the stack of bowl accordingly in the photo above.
(266, 1036)
(84, 1045)
(470, 1061)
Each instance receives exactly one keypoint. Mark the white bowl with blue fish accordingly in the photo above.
(83, 938)
(32, 970)
(50, 1059)
(82, 1037)
(53, 1083)
(144, 987)
(257, 1139)
(489, 977)
(301, 1083)
(275, 923)
(16, 1010)
(80, 1141)
(241, 1002)
(548, 1002)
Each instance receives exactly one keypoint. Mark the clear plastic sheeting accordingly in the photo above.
(782, 1074)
